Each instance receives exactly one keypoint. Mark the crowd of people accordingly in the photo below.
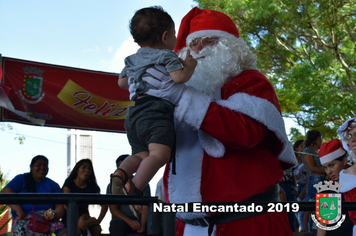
(82, 179)
(333, 159)
(214, 120)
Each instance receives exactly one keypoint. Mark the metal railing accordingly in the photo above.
(155, 221)
(72, 200)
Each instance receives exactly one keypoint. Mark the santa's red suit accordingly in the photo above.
(348, 189)
(229, 149)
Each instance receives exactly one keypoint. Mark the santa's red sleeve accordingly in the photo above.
(348, 188)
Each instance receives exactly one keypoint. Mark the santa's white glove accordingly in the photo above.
(166, 87)
(191, 110)
(192, 107)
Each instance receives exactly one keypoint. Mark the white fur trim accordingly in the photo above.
(348, 181)
(197, 230)
(192, 107)
(266, 113)
(211, 145)
(332, 156)
(211, 33)
(185, 186)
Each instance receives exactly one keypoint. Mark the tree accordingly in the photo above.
(307, 49)
(7, 127)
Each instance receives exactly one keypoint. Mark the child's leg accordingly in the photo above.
(159, 155)
(125, 170)
(131, 163)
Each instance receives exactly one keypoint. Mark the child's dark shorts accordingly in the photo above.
(150, 121)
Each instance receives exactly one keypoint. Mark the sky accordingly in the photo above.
(88, 34)
(83, 34)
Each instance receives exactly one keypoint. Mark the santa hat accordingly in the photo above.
(342, 129)
(330, 151)
(204, 22)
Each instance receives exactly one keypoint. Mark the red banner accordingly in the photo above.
(61, 96)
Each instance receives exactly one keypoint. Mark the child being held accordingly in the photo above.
(149, 123)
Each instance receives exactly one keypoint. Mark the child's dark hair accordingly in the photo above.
(148, 25)
(82, 210)
(296, 145)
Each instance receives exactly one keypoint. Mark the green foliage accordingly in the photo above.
(307, 49)
(296, 135)
(7, 127)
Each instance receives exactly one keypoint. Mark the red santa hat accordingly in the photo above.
(330, 151)
(204, 22)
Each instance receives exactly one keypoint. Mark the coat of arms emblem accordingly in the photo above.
(32, 85)
(328, 214)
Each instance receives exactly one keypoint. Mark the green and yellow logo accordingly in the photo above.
(328, 214)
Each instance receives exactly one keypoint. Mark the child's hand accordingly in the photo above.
(123, 82)
(20, 214)
(189, 61)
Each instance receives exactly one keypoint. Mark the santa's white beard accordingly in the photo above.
(218, 64)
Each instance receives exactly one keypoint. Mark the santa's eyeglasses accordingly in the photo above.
(349, 136)
(204, 41)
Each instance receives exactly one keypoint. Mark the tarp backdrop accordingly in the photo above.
(58, 96)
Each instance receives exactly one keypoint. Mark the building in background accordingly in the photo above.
(81, 144)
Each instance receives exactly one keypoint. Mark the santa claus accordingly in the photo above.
(231, 144)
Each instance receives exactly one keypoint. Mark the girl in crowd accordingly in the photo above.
(311, 160)
(301, 178)
(315, 170)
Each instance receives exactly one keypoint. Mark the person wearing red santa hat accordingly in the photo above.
(347, 134)
(231, 143)
(333, 157)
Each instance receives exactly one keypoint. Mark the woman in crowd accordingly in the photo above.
(333, 157)
(35, 181)
(347, 134)
(82, 180)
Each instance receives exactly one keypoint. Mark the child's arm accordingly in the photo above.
(123, 83)
(183, 75)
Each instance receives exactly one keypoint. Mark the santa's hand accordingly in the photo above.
(167, 89)
(192, 107)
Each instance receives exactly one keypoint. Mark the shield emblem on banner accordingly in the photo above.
(33, 86)
(328, 207)
(32, 89)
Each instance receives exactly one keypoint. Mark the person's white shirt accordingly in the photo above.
(160, 190)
